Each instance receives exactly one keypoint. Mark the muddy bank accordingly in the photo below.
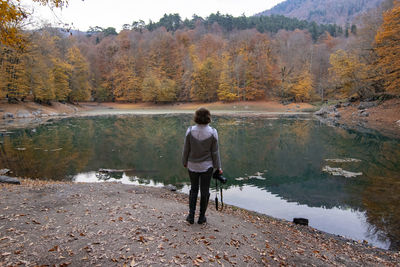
(28, 114)
(383, 117)
(373, 116)
(111, 224)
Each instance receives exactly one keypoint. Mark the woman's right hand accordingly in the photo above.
(220, 171)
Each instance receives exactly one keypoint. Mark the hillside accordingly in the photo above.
(323, 11)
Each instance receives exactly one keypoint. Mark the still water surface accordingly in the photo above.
(274, 166)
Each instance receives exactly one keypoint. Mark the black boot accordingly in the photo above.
(192, 207)
(203, 207)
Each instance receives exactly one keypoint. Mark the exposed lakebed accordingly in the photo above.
(344, 182)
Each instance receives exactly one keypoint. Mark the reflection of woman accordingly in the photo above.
(200, 155)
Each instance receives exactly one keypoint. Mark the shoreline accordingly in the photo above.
(109, 224)
(30, 114)
(383, 118)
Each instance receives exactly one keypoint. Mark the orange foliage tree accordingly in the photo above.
(388, 49)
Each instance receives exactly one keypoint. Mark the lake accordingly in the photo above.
(281, 167)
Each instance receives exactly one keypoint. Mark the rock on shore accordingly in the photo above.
(9, 180)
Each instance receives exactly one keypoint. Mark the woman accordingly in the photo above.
(200, 155)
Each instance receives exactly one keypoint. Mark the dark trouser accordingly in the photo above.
(202, 180)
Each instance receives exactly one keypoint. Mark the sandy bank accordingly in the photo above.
(110, 224)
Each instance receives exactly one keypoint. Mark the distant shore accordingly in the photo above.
(112, 224)
(383, 117)
(30, 114)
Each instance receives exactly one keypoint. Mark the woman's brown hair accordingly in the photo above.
(202, 116)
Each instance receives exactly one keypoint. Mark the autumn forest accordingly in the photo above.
(219, 58)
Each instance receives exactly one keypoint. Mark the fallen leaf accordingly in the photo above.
(132, 263)
(55, 248)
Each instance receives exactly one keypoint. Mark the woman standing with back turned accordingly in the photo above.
(200, 155)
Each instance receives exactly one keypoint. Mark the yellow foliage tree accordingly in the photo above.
(240, 69)
(227, 90)
(79, 80)
(11, 16)
(61, 73)
(205, 80)
(254, 86)
(348, 73)
(48, 73)
(14, 78)
(155, 89)
(3, 82)
(388, 49)
(42, 81)
(167, 91)
(126, 84)
(150, 87)
(302, 88)
(253, 71)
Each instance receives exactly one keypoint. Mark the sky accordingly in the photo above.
(115, 13)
